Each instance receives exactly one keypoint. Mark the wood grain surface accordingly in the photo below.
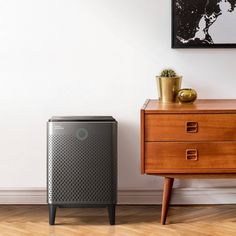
(200, 106)
(174, 127)
(172, 155)
(217, 220)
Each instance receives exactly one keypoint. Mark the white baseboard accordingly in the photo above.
(23, 196)
(132, 196)
(181, 196)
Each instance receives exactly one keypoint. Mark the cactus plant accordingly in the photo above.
(168, 73)
(168, 85)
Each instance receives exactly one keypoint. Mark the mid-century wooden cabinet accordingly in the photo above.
(188, 141)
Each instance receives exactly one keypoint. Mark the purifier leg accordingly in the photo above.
(52, 213)
(112, 213)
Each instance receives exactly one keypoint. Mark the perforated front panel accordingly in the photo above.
(82, 170)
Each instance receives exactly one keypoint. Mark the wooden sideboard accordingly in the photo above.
(188, 141)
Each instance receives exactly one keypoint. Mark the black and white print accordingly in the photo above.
(203, 23)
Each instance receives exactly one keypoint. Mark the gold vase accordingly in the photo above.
(187, 95)
(168, 88)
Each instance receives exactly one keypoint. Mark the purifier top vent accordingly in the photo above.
(81, 118)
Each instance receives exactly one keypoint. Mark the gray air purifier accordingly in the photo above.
(82, 163)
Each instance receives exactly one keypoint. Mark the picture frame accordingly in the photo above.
(194, 25)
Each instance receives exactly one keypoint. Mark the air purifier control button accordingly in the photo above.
(82, 134)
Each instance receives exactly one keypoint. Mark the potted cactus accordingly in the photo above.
(168, 85)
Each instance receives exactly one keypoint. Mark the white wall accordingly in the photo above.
(91, 57)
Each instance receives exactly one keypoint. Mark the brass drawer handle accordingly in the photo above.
(191, 127)
(191, 154)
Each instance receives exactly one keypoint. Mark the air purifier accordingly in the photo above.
(82, 163)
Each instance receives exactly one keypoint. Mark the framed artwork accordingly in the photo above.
(203, 24)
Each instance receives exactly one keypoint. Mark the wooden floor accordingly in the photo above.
(214, 220)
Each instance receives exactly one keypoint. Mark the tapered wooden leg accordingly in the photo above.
(168, 183)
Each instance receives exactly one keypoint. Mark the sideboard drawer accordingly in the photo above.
(190, 127)
(160, 156)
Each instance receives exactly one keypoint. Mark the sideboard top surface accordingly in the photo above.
(199, 106)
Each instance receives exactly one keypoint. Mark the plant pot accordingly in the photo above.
(168, 88)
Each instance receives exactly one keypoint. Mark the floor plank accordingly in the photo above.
(216, 220)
